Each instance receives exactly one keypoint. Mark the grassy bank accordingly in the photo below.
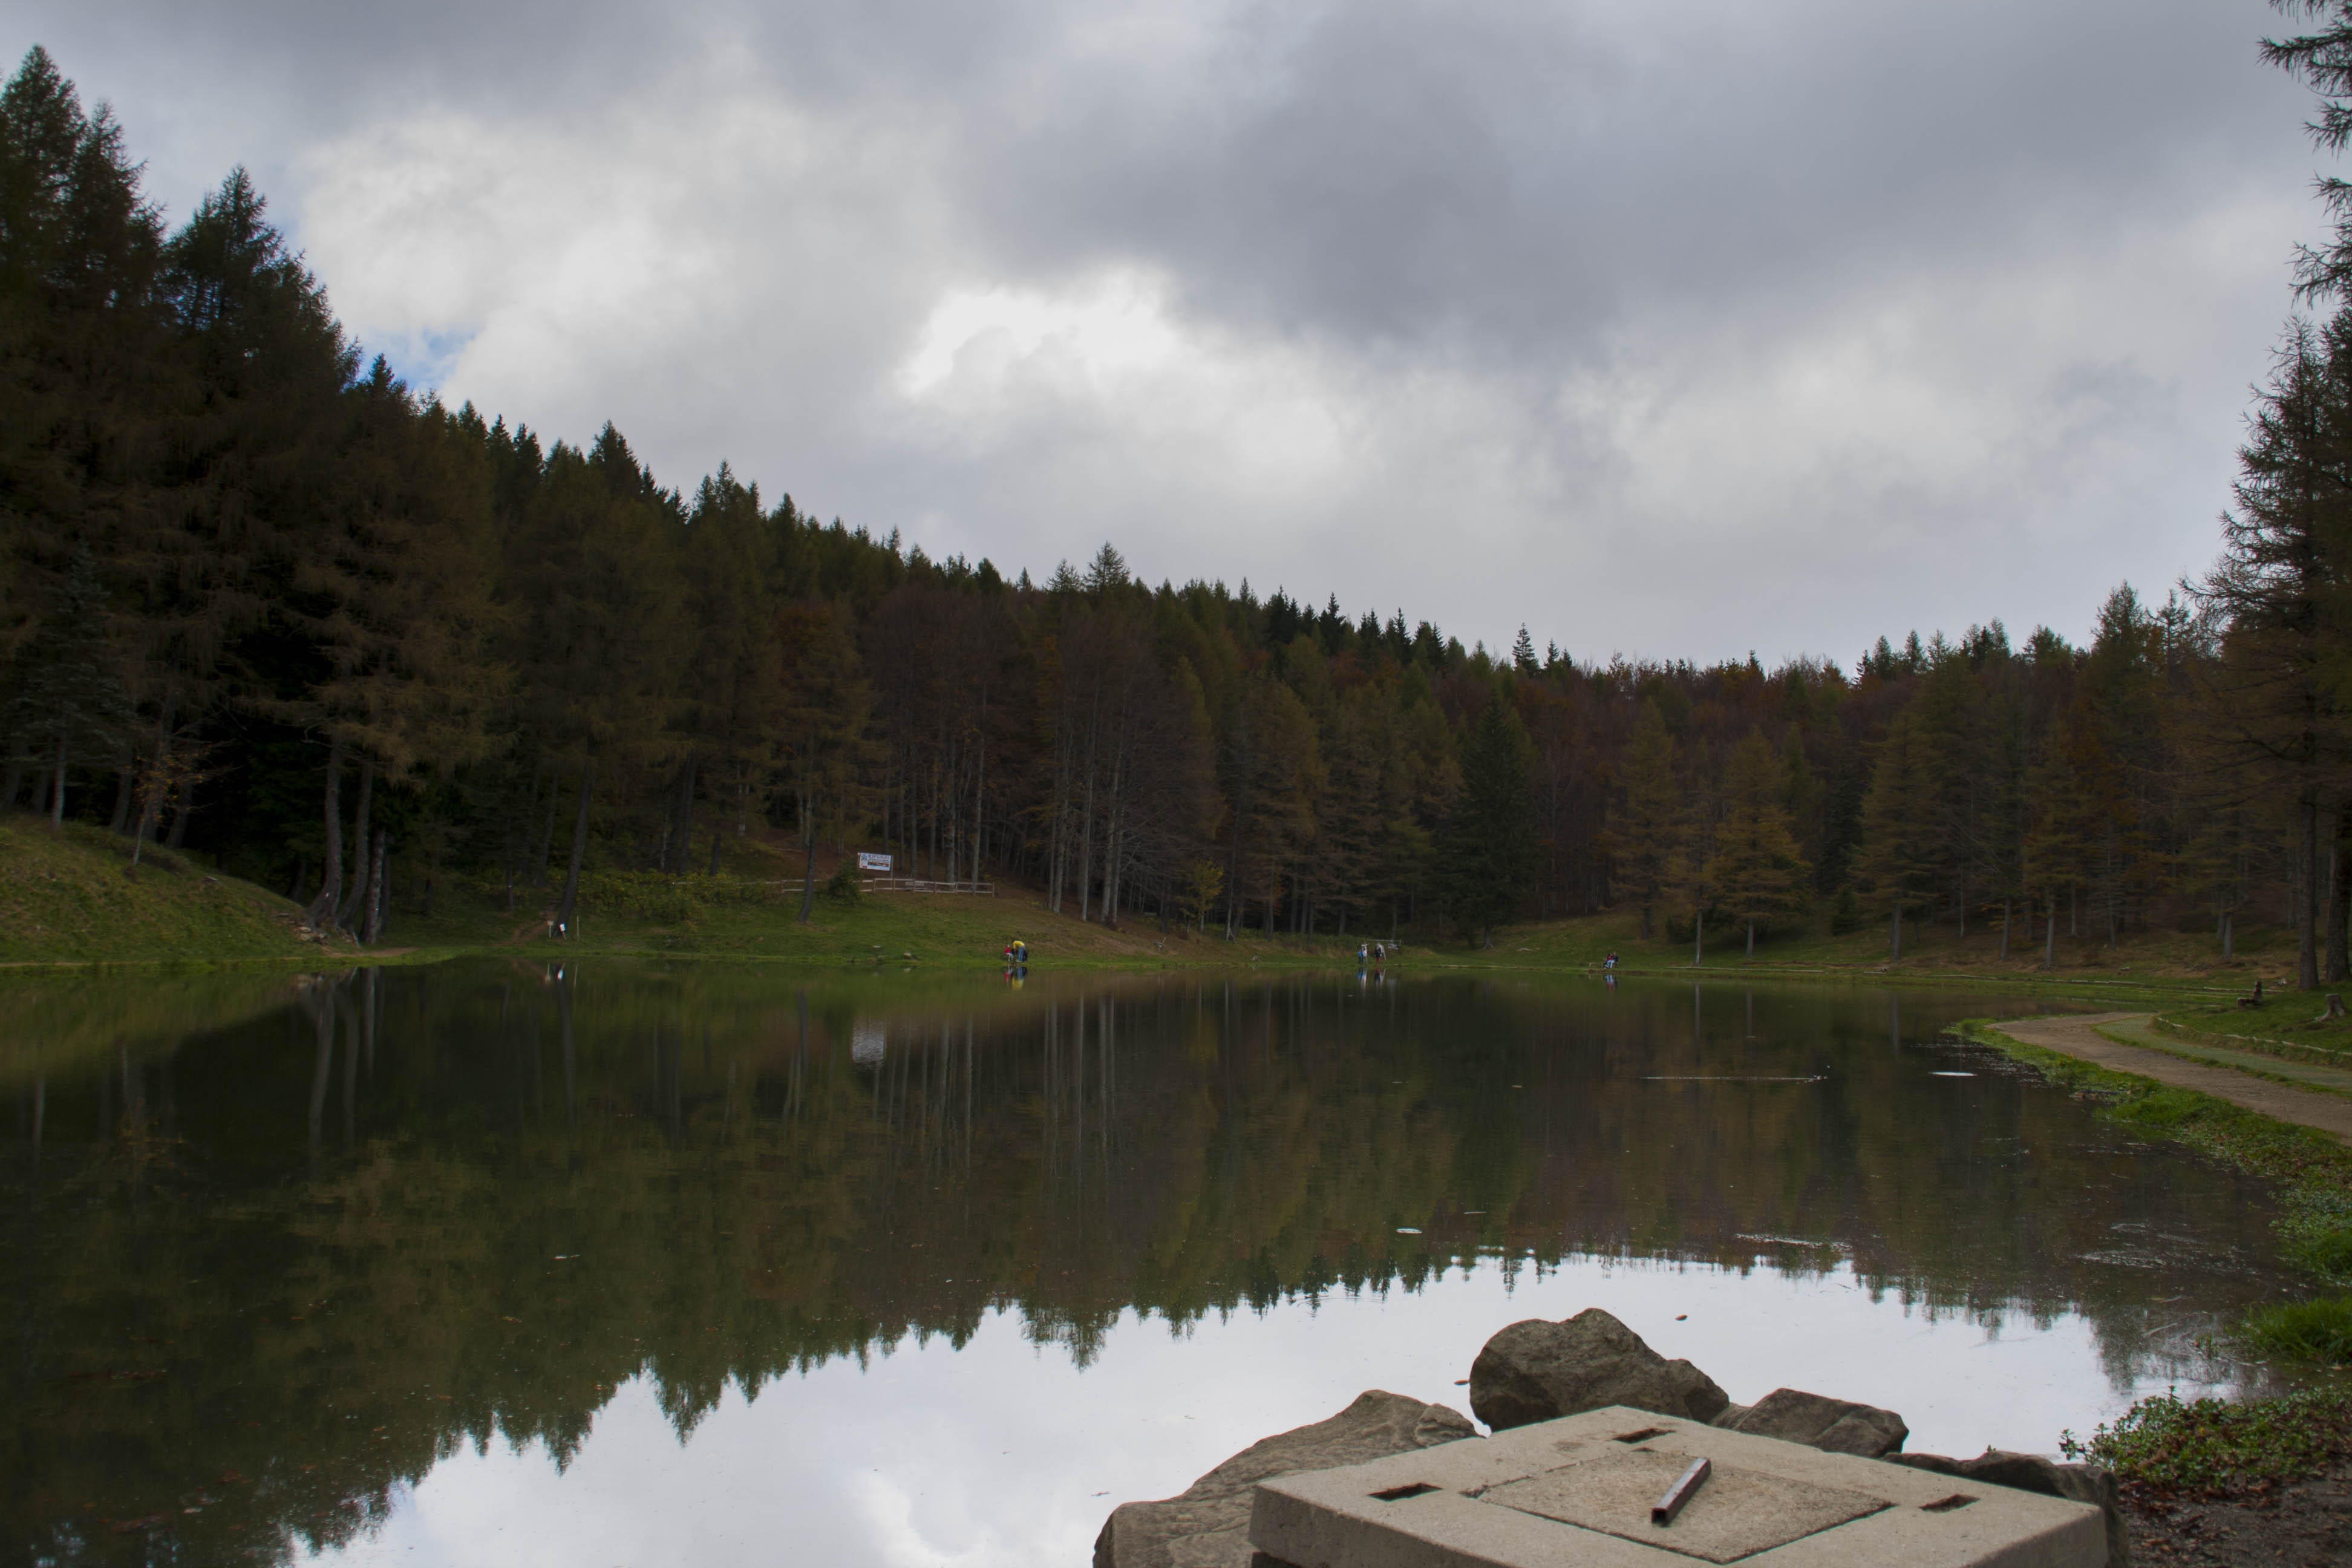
(63, 900)
(65, 897)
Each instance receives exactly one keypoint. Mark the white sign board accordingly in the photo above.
(869, 861)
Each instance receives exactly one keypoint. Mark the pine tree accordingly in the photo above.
(1490, 843)
(1898, 863)
(824, 719)
(1649, 821)
(2273, 717)
(69, 707)
(1758, 872)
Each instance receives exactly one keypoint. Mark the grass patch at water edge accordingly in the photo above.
(2316, 1330)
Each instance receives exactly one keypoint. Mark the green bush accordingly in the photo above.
(2210, 1446)
(667, 899)
(2317, 1233)
(2318, 1330)
(844, 884)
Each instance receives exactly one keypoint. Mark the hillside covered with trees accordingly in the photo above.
(259, 598)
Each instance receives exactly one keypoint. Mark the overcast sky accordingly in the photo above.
(1669, 330)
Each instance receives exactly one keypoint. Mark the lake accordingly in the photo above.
(644, 1265)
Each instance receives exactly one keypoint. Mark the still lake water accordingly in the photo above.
(675, 1265)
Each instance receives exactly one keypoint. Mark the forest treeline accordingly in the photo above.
(258, 596)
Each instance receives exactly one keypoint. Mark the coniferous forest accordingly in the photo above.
(260, 598)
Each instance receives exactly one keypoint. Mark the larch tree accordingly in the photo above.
(2274, 713)
(69, 707)
(1647, 828)
(1898, 863)
(1759, 872)
(826, 718)
(1488, 848)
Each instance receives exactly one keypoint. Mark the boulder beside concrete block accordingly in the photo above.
(1833, 1426)
(1207, 1525)
(1539, 1371)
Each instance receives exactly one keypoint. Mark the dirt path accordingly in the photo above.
(2078, 1037)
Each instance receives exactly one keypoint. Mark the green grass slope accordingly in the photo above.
(64, 897)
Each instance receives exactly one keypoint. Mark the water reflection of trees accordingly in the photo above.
(286, 1265)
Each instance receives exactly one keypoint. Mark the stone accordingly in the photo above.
(1833, 1426)
(1207, 1525)
(1579, 1490)
(1539, 1371)
(2032, 1473)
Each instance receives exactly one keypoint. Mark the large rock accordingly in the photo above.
(2032, 1473)
(1833, 1426)
(1208, 1525)
(1538, 1370)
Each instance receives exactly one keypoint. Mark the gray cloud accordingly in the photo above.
(1676, 331)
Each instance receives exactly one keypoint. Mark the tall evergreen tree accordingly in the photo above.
(2273, 715)
(1758, 871)
(1647, 826)
(1898, 861)
(69, 708)
(1489, 846)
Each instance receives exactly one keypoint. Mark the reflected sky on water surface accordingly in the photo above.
(656, 1265)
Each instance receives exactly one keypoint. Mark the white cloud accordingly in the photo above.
(1678, 335)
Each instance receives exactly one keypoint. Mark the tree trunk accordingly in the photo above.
(1898, 930)
(1698, 937)
(148, 807)
(979, 789)
(1751, 939)
(382, 915)
(685, 812)
(330, 886)
(2050, 937)
(354, 900)
(2004, 930)
(57, 788)
(184, 806)
(2339, 900)
(567, 912)
(121, 818)
(2306, 866)
(714, 848)
(2229, 937)
(546, 838)
(370, 909)
(808, 861)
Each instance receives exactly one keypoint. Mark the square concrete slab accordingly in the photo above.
(1562, 1494)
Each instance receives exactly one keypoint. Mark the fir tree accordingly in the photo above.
(1898, 861)
(1648, 824)
(1489, 844)
(1758, 871)
(69, 708)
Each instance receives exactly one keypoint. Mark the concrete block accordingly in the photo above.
(1576, 1491)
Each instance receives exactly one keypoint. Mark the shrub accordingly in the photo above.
(2206, 1447)
(844, 884)
(2317, 1233)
